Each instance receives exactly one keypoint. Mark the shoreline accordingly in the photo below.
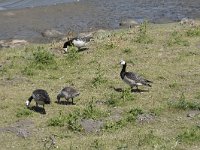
(84, 16)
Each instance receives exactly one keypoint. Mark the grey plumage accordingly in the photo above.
(40, 96)
(78, 42)
(131, 78)
(67, 93)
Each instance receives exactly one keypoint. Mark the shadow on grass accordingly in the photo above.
(132, 90)
(83, 49)
(38, 109)
(65, 103)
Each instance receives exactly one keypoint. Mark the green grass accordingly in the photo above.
(167, 54)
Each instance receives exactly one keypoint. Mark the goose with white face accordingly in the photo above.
(122, 62)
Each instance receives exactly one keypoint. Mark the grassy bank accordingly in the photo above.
(167, 54)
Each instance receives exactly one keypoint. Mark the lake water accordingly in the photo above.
(26, 19)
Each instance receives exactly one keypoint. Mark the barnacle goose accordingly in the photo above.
(78, 42)
(131, 78)
(40, 96)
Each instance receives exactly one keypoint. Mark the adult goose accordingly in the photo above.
(40, 96)
(77, 42)
(131, 78)
(67, 93)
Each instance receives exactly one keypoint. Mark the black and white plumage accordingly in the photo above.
(40, 96)
(77, 42)
(131, 78)
(67, 93)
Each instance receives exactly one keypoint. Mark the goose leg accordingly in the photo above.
(36, 104)
(72, 101)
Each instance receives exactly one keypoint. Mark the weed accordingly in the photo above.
(193, 32)
(143, 37)
(29, 71)
(127, 95)
(183, 104)
(92, 112)
(109, 46)
(99, 79)
(132, 114)
(177, 39)
(149, 139)
(122, 146)
(127, 50)
(24, 112)
(173, 85)
(97, 145)
(57, 121)
(189, 136)
(113, 100)
(72, 54)
(42, 59)
(113, 126)
(73, 121)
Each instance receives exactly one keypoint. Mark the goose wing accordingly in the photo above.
(137, 78)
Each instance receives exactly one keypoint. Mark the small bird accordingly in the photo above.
(67, 93)
(40, 96)
(77, 42)
(132, 78)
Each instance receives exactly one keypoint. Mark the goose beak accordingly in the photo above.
(27, 103)
(65, 49)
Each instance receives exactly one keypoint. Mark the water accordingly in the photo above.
(23, 19)
(18, 4)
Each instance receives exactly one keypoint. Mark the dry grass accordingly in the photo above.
(172, 65)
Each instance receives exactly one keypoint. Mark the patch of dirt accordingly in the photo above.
(91, 126)
(116, 115)
(193, 113)
(21, 128)
(145, 118)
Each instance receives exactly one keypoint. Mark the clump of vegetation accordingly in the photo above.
(132, 114)
(24, 112)
(109, 46)
(150, 139)
(143, 36)
(73, 54)
(176, 38)
(193, 32)
(127, 50)
(43, 58)
(190, 135)
(99, 78)
(127, 95)
(113, 100)
(183, 104)
(73, 122)
(113, 126)
(96, 144)
(57, 121)
(92, 112)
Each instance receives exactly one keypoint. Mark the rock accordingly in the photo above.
(12, 43)
(193, 113)
(130, 23)
(145, 118)
(21, 128)
(90, 125)
(52, 33)
(187, 21)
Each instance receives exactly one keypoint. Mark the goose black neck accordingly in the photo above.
(124, 68)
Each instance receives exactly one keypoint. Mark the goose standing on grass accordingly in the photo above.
(131, 78)
(77, 42)
(67, 93)
(40, 96)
